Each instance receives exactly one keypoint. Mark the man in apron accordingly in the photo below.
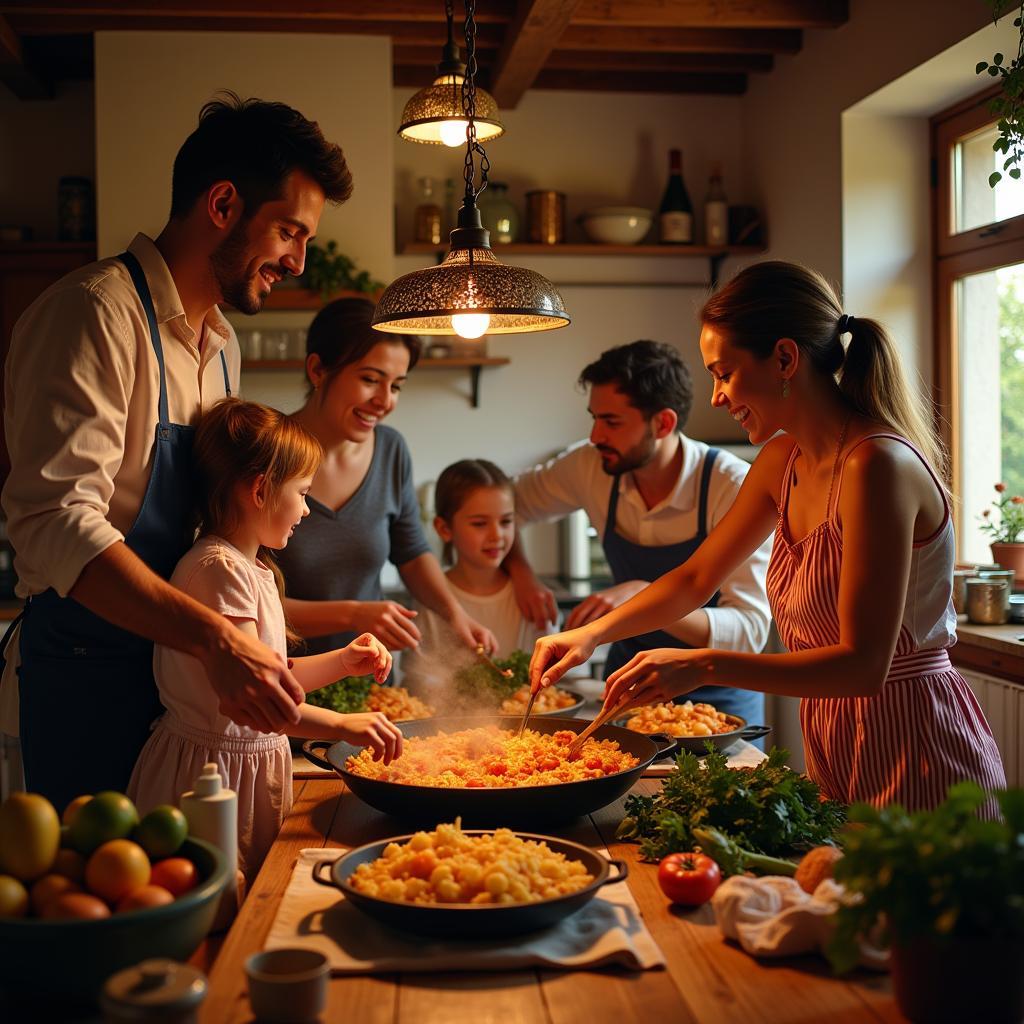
(653, 494)
(107, 372)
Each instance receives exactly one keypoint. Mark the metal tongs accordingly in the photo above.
(526, 717)
(605, 715)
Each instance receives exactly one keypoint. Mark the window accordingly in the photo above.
(979, 358)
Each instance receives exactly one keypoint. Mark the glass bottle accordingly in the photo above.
(427, 216)
(716, 210)
(498, 213)
(676, 211)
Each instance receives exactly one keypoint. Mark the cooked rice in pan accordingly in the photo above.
(551, 698)
(447, 866)
(397, 704)
(493, 758)
(687, 719)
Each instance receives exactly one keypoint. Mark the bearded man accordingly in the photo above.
(652, 494)
(107, 372)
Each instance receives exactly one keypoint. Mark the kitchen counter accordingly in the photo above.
(993, 649)
(707, 979)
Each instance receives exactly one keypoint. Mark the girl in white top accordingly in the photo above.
(475, 506)
(254, 467)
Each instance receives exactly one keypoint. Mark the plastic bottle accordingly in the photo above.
(212, 813)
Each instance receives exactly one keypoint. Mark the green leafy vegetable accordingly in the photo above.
(933, 874)
(767, 809)
(346, 696)
(734, 860)
(479, 680)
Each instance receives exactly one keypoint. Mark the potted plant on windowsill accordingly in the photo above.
(329, 272)
(947, 889)
(1006, 530)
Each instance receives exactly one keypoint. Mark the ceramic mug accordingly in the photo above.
(288, 985)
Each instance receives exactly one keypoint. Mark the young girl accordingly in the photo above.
(475, 507)
(861, 572)
(253, 467)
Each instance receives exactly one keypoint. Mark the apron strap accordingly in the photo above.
(702, 500)
(138, 277)
(613, 505)
(227, 381)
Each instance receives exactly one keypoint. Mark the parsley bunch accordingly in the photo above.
(768, 809)
(480, 680)
(347, 696)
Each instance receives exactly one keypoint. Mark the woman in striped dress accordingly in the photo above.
(860, 579)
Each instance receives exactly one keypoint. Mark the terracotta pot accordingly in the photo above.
(964, 979)
(1010, 556)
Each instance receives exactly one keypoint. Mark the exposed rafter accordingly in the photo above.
(714, 13)
(15, 72)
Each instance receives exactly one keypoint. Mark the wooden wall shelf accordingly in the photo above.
(303, 298)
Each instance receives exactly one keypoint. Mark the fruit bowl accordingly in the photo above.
(617, 225)
(70, 959)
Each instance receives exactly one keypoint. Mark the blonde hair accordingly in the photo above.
(773, 300)
(457, 482)
(237, 442)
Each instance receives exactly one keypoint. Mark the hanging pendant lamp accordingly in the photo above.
(471, 292)
(434, 115)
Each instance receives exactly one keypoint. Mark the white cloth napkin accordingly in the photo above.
(773, 916)
(608, 930)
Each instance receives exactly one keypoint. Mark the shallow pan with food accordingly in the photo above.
(451, 920)
(522, 804)
(721, 740)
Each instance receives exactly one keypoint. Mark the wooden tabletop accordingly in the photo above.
(708, 980)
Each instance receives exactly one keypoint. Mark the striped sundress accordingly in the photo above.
(924, 730)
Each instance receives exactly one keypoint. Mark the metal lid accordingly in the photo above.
(154, 989)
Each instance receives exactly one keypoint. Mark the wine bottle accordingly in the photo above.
(716, 210)
(676, 212)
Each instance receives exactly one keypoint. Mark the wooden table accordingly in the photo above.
(707, 980)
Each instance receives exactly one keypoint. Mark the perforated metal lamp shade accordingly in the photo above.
(423, 302)
(428, 109)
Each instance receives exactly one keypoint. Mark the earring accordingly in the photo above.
(785, 387)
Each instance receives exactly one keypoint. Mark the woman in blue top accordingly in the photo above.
(363, 509)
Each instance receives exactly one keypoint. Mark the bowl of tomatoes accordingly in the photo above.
(76, 905)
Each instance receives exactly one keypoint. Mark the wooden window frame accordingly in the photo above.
(955, 255)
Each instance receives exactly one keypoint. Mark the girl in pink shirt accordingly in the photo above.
(254, 467)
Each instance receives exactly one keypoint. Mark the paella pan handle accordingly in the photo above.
(666, 744)
(310, 746)
(620, 865)
(318, 877)
(753, 732)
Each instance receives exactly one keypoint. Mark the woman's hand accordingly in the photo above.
(364, 655)
(371, 729)
(654, 677)
(601, 602)
(553, 656)
(389, 621)
(472, 634)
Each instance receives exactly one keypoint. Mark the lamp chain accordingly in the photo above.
(469, 109)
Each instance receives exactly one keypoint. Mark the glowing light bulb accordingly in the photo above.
(471, 325)
(453, 133)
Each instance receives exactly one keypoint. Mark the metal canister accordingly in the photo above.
(545, 216)
(960, 578)
(987, 601)
(1000, 574)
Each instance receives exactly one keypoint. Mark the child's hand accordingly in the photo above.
(371, 729)
(364, 655)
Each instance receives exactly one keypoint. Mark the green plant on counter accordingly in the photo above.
(346, 696)
(328, 271)
(1009, 105)
(939, 874)
(1011, 517)
(480, 679)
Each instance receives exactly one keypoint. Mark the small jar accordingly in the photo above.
(498, 213)
(152, 991)
(545, 216)
(987, 601)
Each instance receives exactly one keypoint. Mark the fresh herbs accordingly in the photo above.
(479, 681)
(769, 809)
(935, 874)
(732, 859)
(346, 696)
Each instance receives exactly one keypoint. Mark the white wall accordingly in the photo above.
(42, 141)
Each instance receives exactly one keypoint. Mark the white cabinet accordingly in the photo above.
(1003, 704)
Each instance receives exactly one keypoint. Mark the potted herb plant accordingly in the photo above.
(329, 271)
(1006, 530)
(1009, 104)
(946, 889)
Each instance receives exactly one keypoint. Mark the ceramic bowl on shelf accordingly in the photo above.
(617, 225)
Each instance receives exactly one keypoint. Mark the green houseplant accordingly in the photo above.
(1009, 105)
(947, 889)
(329, 271)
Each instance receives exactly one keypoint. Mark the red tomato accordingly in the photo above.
(175, 874)
(688, 878)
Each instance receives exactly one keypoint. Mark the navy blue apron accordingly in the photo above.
(86, 687)
(630, 561)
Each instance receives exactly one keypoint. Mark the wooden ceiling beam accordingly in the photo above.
(15, 73)
(714, 13)
(643, 81)
(531, 36)
(682, 40)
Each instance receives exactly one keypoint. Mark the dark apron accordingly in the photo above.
(630, 561)
(86, 687)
